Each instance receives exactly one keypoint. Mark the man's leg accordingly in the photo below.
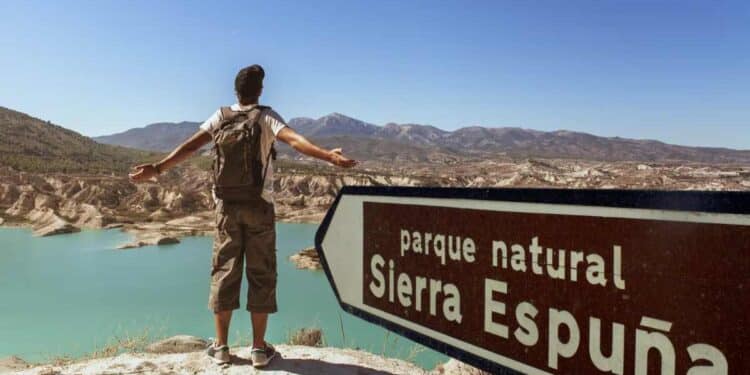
(221, 321)
(260, 268)
(226, 270)
(260, 322)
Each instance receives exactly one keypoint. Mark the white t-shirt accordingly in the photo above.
(271, 124)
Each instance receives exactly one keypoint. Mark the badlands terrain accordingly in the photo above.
(180, 204)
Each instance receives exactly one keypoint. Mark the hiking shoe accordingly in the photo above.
(218, 354)
(262, 356)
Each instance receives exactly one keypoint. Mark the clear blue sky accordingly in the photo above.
(677, 71)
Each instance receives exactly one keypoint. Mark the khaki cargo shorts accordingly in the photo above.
(245, 238)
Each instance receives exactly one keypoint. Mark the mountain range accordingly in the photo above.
(31, 144)
(425, 143)
(162, 136)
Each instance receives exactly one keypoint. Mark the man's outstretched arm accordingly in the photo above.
(144, 172)
(304, 146)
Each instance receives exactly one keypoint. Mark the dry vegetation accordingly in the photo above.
(123, 343)
(306, 337)
(33, 145)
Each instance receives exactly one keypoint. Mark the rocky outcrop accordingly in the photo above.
(46, 223)
(96, 201)
(58, 227)
(306, 259)
(86, 215)
(303, 192)
(12, 363)
(291, 360)
(150, 239)
(22, 205)
(8, 194)
(156, 233)
(178, 344)
(193, 222)
(160, 215)
(456, 367)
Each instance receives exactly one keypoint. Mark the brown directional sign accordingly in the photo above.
(550, 281)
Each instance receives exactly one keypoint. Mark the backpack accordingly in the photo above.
(238, 168)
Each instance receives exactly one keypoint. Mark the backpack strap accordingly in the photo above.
(255, 107)
(227, 117)
(253, 113)
(227, 114)
(272, 151)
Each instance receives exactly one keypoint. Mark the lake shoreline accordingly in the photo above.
(162, 232)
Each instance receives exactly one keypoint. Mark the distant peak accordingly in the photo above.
(338, 115)
(339, 119)
(563, 132)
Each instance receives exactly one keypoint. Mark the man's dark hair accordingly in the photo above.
(248, 83)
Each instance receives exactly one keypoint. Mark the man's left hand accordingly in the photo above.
(337, 158)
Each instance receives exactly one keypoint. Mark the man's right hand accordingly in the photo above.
(337, 158)
(142, 173)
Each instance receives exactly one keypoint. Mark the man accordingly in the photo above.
(245, 229)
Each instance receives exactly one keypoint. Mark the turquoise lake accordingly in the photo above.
(71, 294)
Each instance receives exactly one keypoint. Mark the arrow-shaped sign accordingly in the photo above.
(542, 281)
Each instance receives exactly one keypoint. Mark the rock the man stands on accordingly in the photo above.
(243, 136)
